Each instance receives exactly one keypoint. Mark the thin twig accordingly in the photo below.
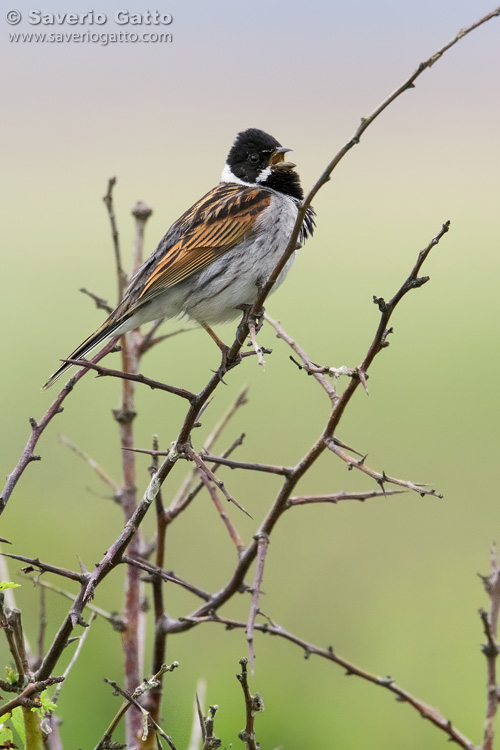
(115, 551)
(113, 555)
(101, 303)
(491, 648)
(253, 705)
(111, 617)
(47, 567)
(42, 626)
(120, 273)
(338, 497)
(266, 468)
(380, 478)
(109, 561)
(262, 545)
(253, 338)
(180, 498)
(169, 577)
(149, 340)
(306, 362)
(185, 495)
(427, 712)
(74, 658)
(233, 532)
(131, 700)
(101, 473)
(11, 624)
(354, 141)
(191, 454)
(137, 378)
(290, 482)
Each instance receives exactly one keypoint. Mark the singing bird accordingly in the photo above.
(214, 259)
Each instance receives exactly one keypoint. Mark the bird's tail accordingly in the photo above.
(105, 330)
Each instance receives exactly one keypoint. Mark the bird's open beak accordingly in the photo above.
(278, 159)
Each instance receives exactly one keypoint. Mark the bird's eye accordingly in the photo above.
(253, 158)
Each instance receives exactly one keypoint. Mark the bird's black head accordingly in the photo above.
(257, 158)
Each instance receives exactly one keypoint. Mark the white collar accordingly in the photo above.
(228, 176)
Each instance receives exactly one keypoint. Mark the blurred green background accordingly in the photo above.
(391, 584)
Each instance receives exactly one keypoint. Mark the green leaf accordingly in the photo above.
(9, 585)
(18, 721)
(47, 705)
(5, 733)
(11, 674)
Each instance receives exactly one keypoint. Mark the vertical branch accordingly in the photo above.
(491, 648)
(152, 702)
(141, 212)
(125, 415)
(262, 545)
(43, 625)
(211, 742)
(32, 728)
(120, 273)
(11, 621)
(253, 705)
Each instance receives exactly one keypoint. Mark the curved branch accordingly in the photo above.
(426, 712)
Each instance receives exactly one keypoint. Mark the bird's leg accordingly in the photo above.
(225, 365)
(222, 346)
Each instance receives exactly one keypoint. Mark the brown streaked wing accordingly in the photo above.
(214, 225)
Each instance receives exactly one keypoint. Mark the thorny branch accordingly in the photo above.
(100, 303)
(35, 562)
(152, 701)
(111, 617)
(115, 552)
(233, 532)
(317, 373)
(135, 513)
(380, 477)
(253, 705)
(208, 473)
(427, 712)
(491, 648)
(120, 273)
(338, 497)
(133, 377)
(262, 545)
(322, 180)
(131, 700)
(26, 697)
(168, 577)
(134, 616)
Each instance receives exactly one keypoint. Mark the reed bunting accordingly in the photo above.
(213, 260)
